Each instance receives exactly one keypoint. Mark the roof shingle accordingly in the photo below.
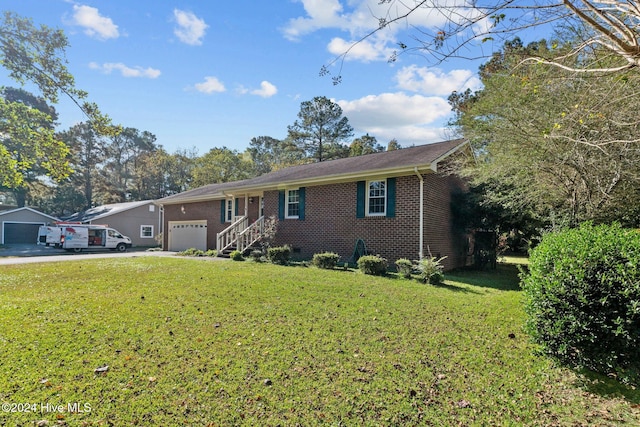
(422, 156)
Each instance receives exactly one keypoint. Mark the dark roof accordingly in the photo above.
(102, 211)
(407, 159)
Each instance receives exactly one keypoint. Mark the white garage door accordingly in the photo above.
(187, 234)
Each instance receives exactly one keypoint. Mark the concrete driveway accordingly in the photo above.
(28, 253)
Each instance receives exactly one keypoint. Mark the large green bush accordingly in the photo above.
(326, 260)
(373, 264)
(582, 297)
(279, 254)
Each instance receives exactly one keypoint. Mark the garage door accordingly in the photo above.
(187, 234)
(18, 232)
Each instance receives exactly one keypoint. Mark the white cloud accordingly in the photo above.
(411, 119)
(320, 14)
(94, 25)
(366, 50)
(267, 90)
(210, 85)
(362, 18)
(126, 71)
(190, 29)
(434, 81)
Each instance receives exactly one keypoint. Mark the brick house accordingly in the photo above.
(396, 202)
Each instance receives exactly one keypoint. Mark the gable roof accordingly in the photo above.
(397, 162)
(28, 209)
(103, 211)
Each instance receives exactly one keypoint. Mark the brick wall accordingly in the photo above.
(209, 211)
(330, 222)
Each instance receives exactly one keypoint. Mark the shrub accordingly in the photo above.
(431, 270)
(257, 255)
(211, 253)
(372, 264)
(236, 256)
(279, 254)
(404, 267)
(327, 260)
(582, 298)
(191, 252)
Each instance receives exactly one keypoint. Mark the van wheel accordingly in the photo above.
(77, 250)
(121, 247)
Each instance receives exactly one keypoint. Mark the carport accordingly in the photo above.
(19, 226)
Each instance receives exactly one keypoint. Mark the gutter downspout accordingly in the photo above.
(421, 251)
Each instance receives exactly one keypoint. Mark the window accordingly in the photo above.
(293, 204)
(146, 231)
(377, 198)
(229, 215)
(152, 208)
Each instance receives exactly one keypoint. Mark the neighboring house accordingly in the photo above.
(396, 202)
(140, 221)
(21, 225)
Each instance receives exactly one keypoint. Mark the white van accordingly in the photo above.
(78, 237)
(50, 235)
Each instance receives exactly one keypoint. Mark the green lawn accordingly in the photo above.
(197, 342)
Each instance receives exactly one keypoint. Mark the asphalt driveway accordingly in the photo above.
(28, 253)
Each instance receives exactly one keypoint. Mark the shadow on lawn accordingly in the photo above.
(606, 387)
(504, 277)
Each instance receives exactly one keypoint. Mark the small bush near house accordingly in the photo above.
(236, 256)
(431, 270)
(582, 297)
(257, 255)
(191, 252)
(326, 260)
(404, 267)
(372, 264)
(198, 252)
(279, 254)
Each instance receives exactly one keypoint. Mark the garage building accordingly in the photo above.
(21, 225)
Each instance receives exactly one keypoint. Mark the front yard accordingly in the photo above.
(164, 341)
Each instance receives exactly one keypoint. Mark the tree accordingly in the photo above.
(269, 154)
(122, 153)
(560, 145)
(159, 174)
(36, 55)
(26, 129)
(220, 165)
(87, 154)
(366, 144)
(468, 29)
(321, 129)
(393, 145)
(60, 200)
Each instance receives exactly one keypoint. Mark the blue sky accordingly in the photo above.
(210, 74)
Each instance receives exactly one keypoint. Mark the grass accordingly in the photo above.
(195, 342)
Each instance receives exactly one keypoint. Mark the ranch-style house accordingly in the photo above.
(396, 204)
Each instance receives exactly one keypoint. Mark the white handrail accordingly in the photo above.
(251, 234)
(227, 237)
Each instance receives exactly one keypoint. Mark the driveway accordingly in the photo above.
(28, 253)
